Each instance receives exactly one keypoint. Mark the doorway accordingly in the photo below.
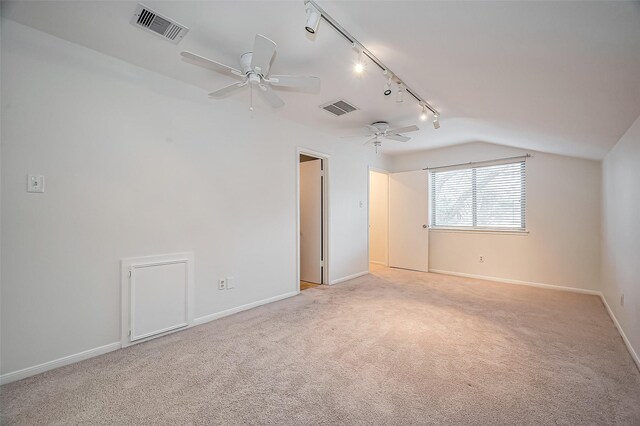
(312, 219)
(398, 220)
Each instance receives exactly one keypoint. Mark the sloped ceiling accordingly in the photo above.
(560, 77)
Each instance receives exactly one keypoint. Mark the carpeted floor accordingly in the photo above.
(392, 348)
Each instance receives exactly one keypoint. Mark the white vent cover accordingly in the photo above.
(339, 107)
(155, 23)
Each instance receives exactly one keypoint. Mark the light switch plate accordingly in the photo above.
(231, 283)
(35, 183)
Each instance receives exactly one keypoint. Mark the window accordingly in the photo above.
(489, 196)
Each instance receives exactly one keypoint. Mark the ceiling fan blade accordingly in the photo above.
(405, 129)
(369, 141)
(227, 90)
(263, 51)
(295, 81)
(203, 62)
(373, 129)
(271, 97)
(398, 138)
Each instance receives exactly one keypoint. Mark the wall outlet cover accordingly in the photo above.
(222, 284)
(35, 183)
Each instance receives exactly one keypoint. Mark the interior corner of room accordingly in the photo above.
(217, 201)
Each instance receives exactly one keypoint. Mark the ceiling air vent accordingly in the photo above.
(338, 108)
(152, 21)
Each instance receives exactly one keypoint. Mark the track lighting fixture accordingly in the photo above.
(315, 14)
(423, 115)
(400, 94)
(313, 18)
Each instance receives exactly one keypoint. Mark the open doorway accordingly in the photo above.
(378, 217)
(312, 219)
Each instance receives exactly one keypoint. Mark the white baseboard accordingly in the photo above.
(518, 282)
(626, 341)
(90, 353)
(207, 318)
(348, 277)
(60, 362)
(632, 351)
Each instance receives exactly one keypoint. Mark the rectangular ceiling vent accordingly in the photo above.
(338, 108)
(157, 24)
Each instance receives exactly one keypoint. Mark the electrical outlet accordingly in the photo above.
(481, 259)
(222, 284)
(622, 300)
(35, 183)
(231, 283)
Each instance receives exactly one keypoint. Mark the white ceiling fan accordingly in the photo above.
(381, 130)
(254, 71)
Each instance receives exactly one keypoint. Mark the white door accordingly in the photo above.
(408, 220)
(311, 221)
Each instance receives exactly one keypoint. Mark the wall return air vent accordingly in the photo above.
(160, 25)
(338, 108)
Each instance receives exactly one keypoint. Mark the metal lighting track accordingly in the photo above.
(344, 33)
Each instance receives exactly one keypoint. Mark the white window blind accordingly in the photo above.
(488, 196)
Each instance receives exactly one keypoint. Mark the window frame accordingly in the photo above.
(474, 211)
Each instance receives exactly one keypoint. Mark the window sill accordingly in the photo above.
(523, 232)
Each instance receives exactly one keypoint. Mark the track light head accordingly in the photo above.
(436, 122)
(313, 18)
(387, 85)
(359, 65)
(400, 94)
(423, 115)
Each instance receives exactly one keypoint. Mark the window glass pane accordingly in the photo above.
(479, 197)
(453, 198)
(499, 196)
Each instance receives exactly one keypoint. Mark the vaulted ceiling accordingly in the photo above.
(560, 77)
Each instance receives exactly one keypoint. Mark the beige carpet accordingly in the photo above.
(395, 347)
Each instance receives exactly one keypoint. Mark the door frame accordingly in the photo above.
(325, 212)
(386, 172)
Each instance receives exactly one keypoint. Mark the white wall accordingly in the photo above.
(378, 217)
(621, 233)
(139, 164)
(563, 220)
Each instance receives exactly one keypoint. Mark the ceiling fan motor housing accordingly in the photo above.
(245, 63)
(382, 126)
